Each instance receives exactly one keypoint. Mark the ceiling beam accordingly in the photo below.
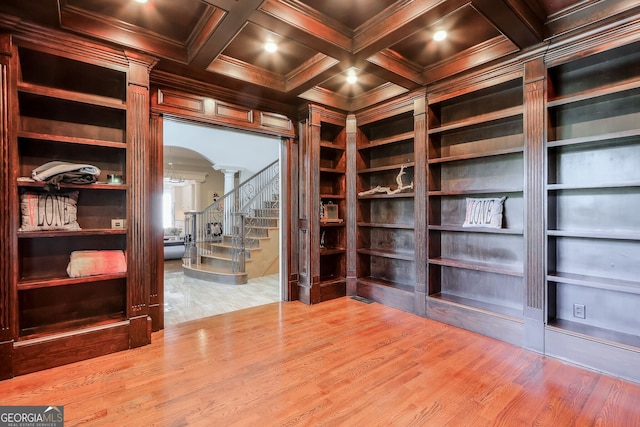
(234, 21)
(400, 24)
(505, 18)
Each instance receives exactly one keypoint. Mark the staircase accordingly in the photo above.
(237, 237)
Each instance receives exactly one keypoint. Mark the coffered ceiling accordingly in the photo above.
(387, 44)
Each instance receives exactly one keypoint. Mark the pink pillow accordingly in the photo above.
(92, 263)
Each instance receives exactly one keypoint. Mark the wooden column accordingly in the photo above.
(313, 154)
(140, 258)
(351, 189)
(304, 200)
(420, 202)
(289, 215)
(156, 263)
(535, 206)
(8, 244)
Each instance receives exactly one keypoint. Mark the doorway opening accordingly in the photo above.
(203, 166)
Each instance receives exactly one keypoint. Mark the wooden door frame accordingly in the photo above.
(288, 193)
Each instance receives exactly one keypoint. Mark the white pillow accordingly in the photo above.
(49, 211)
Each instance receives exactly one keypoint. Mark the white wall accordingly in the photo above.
(247, 152)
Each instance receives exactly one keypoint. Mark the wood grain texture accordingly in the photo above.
(372, 365)
(7, 246)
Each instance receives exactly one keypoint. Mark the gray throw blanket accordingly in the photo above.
(53, 173)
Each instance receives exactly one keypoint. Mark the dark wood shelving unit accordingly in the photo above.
(97, 323)
(387, 268)
(79, 97)
(447, 227)
(480, 119)
(476, 275)
(64, 233)
(324, 183)
(64, 281)
(385, 225)
(79, 114)
(494, 310)
(593, 195)
(47, 137)
(401, 255)
(407, 195)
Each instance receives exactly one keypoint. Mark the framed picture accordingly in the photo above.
(330, 213)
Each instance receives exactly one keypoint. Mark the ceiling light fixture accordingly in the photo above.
(172, 176)
(351, 77)
(440, 35)
(141, 1)
(270, 46)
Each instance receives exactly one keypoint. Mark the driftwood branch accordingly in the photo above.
(379, 189)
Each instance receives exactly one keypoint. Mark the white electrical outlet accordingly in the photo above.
(119, 223)
(580, 311)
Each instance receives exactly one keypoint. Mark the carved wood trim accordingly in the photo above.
(534, 160)
(299, 16)
(275, 121)
(208, 110)
(289, 197)
(420, 199)
(585, 13)
(245, 71)
(393, 107)
(233, 112)
(180, 100)
(351, 191)
(490, 50)
(410, 16)
(66, 45)
(7, 242)
(487, 77)
(374, 96)
(564, 49)
(325, 97)
(156, 288)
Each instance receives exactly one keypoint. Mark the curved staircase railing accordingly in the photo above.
(234, 217)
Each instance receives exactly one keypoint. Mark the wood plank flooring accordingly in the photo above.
(338, 363)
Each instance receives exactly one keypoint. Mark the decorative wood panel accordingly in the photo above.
(205, 109)
(233, 112)
(183, 101)
(289, 197)
(140, 272)
(534, 91)
(156, 264)
(420, 200)
(351, 188)
(275, 121)
(7, 245)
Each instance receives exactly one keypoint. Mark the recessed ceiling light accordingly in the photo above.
(270, 46)
(440, 35)
(141, 1)
(351, 77)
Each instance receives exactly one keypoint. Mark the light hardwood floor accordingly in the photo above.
(187, 299)
(338, 363)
